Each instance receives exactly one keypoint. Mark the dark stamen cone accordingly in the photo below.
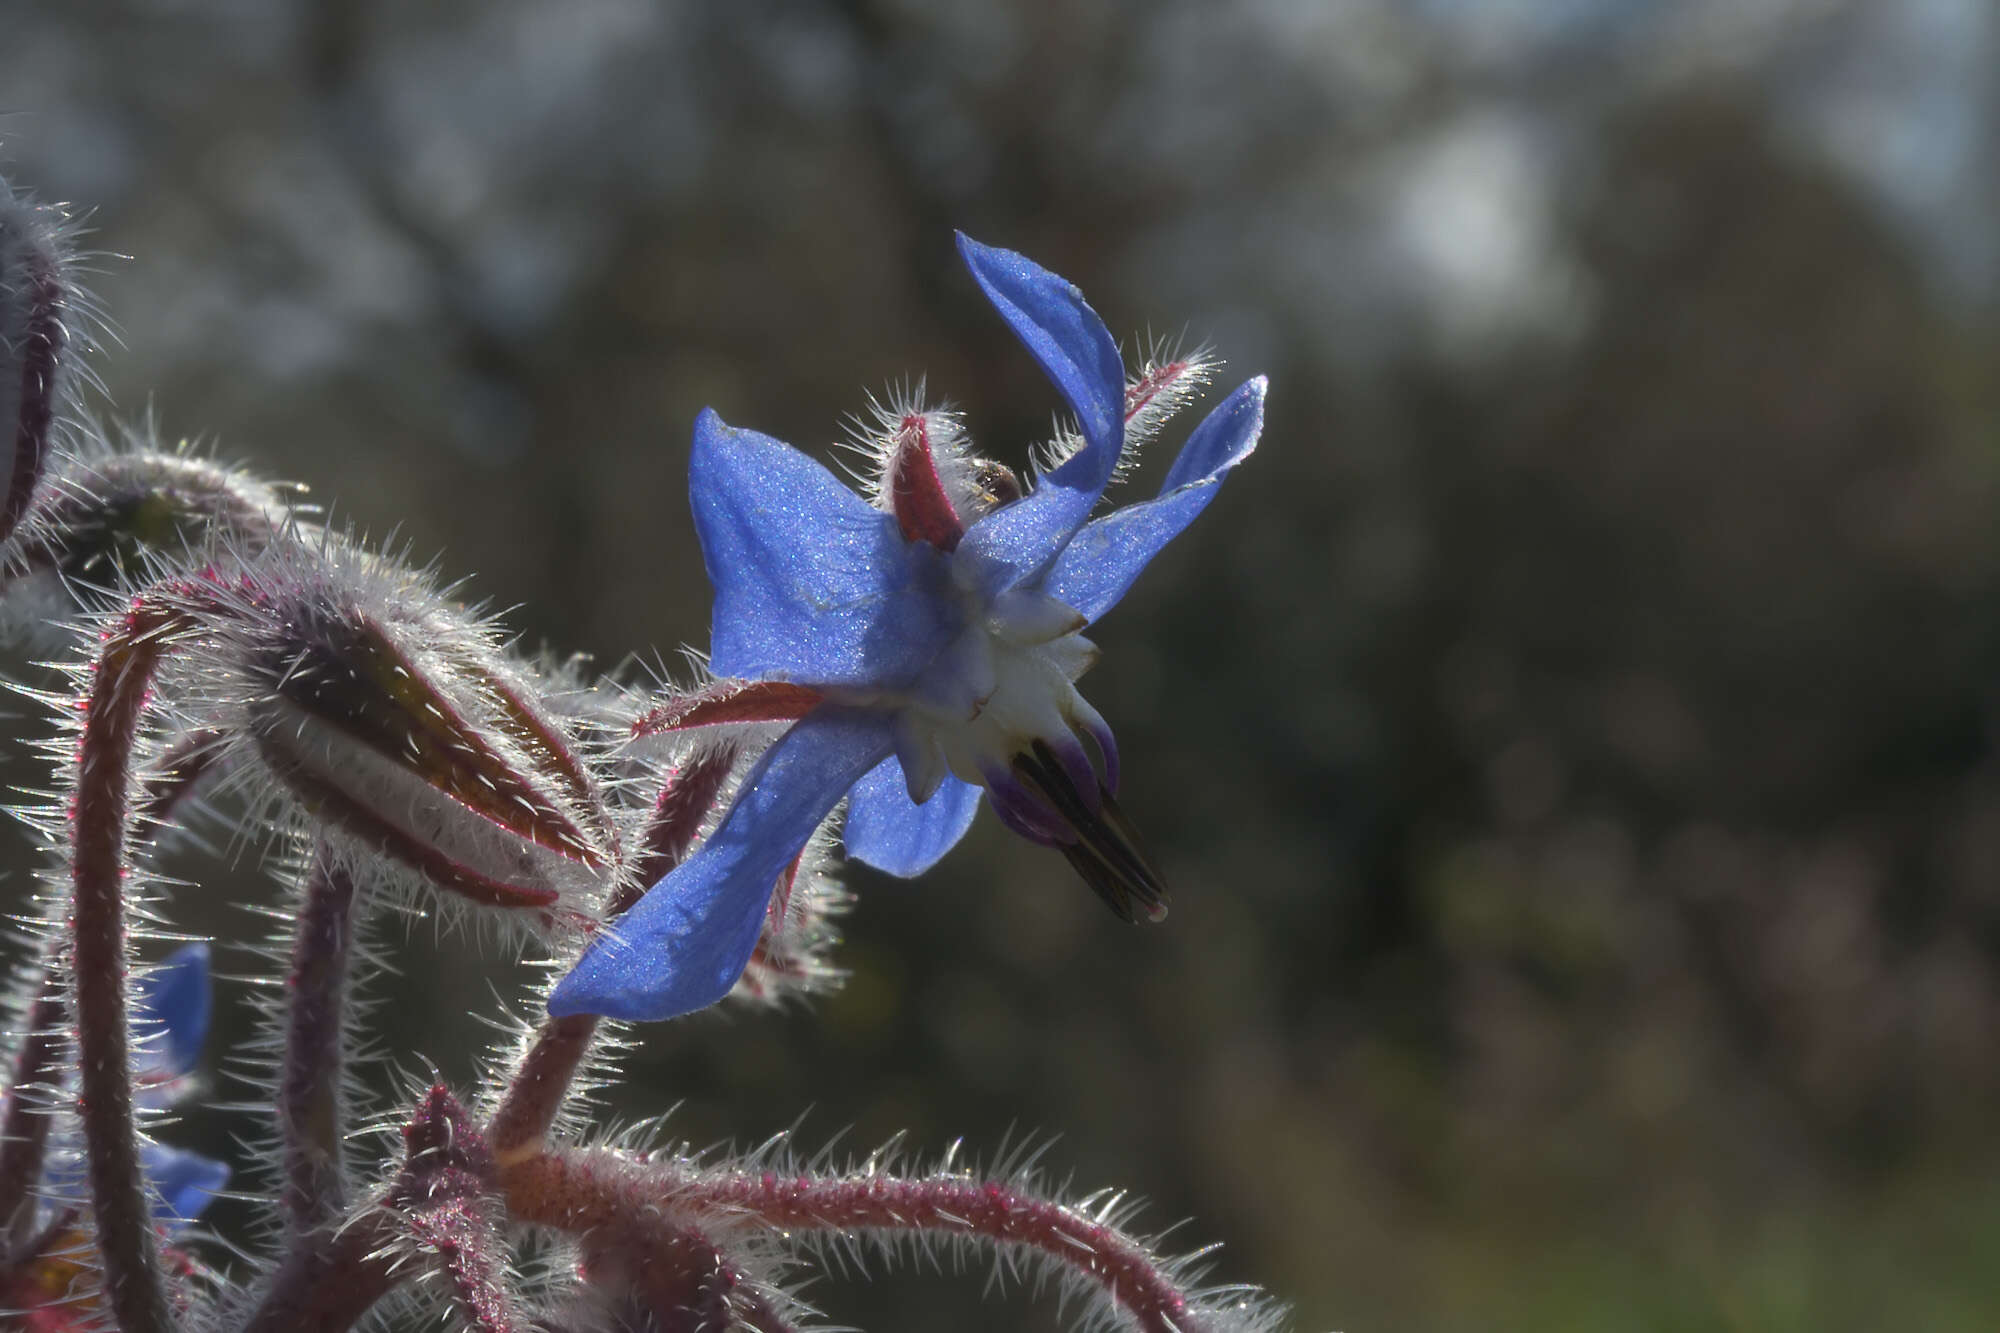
(1106, 851)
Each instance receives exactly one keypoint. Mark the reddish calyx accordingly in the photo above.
(916, 493)
(727, 703)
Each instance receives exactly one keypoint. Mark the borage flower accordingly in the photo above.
(923, 650)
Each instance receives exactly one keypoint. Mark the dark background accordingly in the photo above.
(1571, 737)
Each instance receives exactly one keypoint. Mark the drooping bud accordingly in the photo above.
(398, 725)
(37, 305)
(106, 512)
(104, 522)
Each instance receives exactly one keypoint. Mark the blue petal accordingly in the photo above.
(812, 584)
(1103, 561)
(172, 1009)
(1075, 350)
(889, 831)
(687, 941)
(182, 1181)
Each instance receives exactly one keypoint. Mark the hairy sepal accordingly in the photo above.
(346, 696)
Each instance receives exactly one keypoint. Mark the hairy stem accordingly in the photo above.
(539, 1086)
(24, 1127)
(309, 1119)
(587, 1192)
(671, 1269)
(135, 1288)
(541, 1082)
(327, 1289)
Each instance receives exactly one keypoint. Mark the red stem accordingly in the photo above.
(670, 1268)
(596, 1191)
(134, 1285)
(327, 1289)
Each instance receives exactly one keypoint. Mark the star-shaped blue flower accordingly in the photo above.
(929, 648)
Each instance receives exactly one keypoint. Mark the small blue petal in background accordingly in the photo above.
(182, 1182)
(171, 1010)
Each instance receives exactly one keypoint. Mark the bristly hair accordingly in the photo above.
(228, 659)
(1168, 379)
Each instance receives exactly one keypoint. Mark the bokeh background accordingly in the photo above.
(1572, 738)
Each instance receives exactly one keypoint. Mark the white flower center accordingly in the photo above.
(1008, 681)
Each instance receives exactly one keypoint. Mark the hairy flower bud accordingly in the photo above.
(398, 724)
(36, 305)
(105, 512)
(105, 522)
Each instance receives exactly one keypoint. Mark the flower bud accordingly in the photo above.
(106, 521)
(402, 727)
(36, 306)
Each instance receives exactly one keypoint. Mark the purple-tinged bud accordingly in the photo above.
(36, 304)
(402, 730)
(104, 522)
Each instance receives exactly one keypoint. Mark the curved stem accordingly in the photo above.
(669, 1268)
(135, 1288)
(597, 1191)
